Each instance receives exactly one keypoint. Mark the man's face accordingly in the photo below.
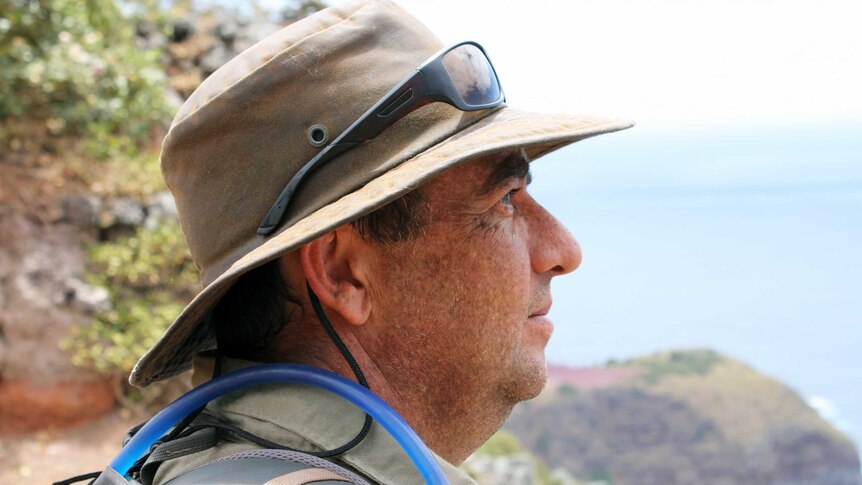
(466, 300)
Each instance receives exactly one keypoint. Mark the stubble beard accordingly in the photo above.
(529, 373)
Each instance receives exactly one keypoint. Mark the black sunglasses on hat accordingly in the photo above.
(461, 75)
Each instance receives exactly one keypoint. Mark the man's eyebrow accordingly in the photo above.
(514, 165)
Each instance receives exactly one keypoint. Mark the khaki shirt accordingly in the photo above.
(307, 419)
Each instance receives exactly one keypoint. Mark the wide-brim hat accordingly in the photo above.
(242, 135)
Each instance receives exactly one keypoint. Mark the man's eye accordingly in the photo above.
(507, 199)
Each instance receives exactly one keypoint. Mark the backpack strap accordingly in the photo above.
(204, 432)
(306, 476)
(270, 467)
(199, 440)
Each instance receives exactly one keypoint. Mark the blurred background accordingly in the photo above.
(711, 335)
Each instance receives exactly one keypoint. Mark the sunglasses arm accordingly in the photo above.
(408, 96)
(276, 212)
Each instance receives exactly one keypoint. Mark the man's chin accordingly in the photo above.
(528, 380)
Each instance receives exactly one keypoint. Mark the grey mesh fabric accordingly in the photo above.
(251, 471)
(262, 466)
(293, 456)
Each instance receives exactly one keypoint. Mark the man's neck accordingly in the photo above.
(447, 413)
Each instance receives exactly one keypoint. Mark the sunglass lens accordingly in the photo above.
(472, 75)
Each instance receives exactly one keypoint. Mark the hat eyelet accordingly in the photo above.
(317, 136)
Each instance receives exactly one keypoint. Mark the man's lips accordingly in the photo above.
(539, 320)
(541, 312)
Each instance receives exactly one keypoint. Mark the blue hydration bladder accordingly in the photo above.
(162, 422)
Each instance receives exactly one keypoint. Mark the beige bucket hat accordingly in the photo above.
(239, 138)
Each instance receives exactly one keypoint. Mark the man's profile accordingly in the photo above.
(356, 197)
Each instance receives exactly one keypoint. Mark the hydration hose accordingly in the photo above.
(289, 373)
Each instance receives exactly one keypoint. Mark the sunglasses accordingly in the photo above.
(461, 76)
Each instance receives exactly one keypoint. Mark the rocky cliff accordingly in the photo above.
(42, 296)
(682, 417)
(58, 200)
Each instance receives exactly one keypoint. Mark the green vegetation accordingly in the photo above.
(699, 417)
(137, 175)
(568, 389)
(678, 363)
(503, 443)
(74, 77)
(745, 404)
(601, 476)
(150, 276)
(74, 68)
(78, 83)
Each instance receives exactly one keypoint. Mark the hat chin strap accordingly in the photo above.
(351, 361)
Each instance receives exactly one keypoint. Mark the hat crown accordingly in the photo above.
(242, 135)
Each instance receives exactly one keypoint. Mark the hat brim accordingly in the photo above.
(505, 129)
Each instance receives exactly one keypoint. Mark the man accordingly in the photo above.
(398, 246)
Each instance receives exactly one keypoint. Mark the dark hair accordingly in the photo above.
(255, 309)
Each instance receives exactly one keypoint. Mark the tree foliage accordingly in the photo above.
(76, 67)
(84, 74)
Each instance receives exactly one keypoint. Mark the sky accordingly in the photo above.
(679, 62)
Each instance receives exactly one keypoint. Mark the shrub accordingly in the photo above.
(75, 70)
(150, 277)
(502, 443)
(697, 362)
(75, 67)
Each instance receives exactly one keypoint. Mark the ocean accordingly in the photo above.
(746, 240)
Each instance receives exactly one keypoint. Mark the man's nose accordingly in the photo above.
(553, 249)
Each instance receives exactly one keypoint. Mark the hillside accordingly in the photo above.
(682, 417)
(93, 266)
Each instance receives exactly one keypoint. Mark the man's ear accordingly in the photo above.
(330, 267)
